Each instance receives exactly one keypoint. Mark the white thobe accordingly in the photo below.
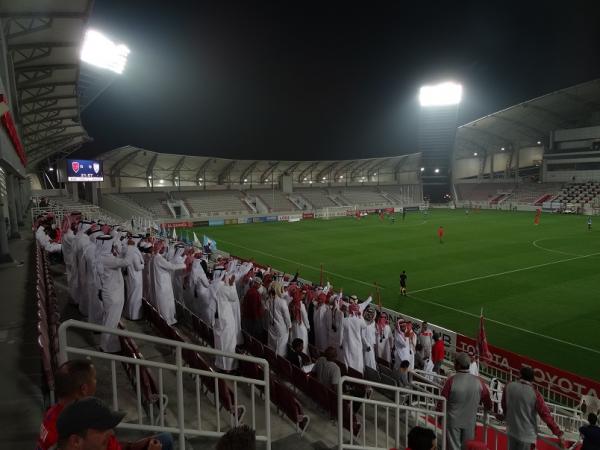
(134, 279)
(234, 300)
(278, 316)
(385, 341)
(84, 272)
(401, 349)
(113, 299)
(177, 277)
(370, 339)
(300, 329)
(148, 285)
(223, 324)
(321, 328)
(79, 276)
(163, 289)
(68, 240)
(352, 342)
(200, 299)
(90, 292)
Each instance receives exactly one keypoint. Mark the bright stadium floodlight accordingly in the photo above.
(475, 154)
(437, 170)
(442, 94)
(100, 51)
(539, 142)
(422, 169)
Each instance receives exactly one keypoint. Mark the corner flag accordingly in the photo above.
(482, 345)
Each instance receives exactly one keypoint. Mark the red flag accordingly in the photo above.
(482, 345)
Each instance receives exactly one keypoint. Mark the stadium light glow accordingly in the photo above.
(51, 169)
(149, 177)
(341, 177)
(437, 170)
(422, 169)
(324, 178)
(475, 154)
(161, 181)
(245, 180)
(502, 148)
(539, 142)
(443, 94)
(375, 174)
(310, 182)
(100, 51)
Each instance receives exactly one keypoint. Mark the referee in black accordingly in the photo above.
(403, 278)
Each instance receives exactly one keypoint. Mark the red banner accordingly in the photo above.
(308, 215)
(568, 383)
(11, 130)
(184, 224)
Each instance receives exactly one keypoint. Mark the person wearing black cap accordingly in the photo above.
(88, 424)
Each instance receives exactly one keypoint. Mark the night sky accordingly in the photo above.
(324, 80)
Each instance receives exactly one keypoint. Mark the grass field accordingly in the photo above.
(538, 285)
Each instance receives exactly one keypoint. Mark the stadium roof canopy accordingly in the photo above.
(43, 39)
(530, 122)
(133, 162)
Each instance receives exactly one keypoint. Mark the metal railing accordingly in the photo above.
(393, 412)
(200, 378)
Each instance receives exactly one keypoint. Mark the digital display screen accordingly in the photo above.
(84, 170)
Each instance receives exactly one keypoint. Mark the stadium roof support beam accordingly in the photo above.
(177, 171)
(225, 174)
(150, 171)
(249, 168)
(344, 168)
(306, 170)
(52, 151)
(268, 172)
(57, 126)
(560, 119)
(399, 166)
(327, 170)
(50, 119)
(290, 169)
(44, 142)
(201, 172)
(115, 171)
(360, 168)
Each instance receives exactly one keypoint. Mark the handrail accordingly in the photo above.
(180, 370)
(437, 412)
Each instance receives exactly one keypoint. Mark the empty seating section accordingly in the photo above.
(204, 203)
(317, 197)
(580, 193)
(535, 193)
(134, 208)
(408, 194)
(363, 196)
(274, 199)
(482, 192)
(152, 201)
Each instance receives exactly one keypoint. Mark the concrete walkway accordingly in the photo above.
(21, 398)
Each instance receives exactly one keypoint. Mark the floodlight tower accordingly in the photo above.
(104, 60)
(437, 130)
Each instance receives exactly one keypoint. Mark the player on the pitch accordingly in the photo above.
(403, 278)
(440, 233)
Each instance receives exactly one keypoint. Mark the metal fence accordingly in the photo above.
(387, 413)
(188, 418)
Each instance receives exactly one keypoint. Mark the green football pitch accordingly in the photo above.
(539, 285)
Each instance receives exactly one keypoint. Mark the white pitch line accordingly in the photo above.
(524, 330)
(301, 264)
(498, 274)
(535, 244)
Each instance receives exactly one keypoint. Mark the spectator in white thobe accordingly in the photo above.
(279, 321)
(385, 338)
(299, 317)
(320, 318)
(334, 321)
(352, 339)
(401, 344)
(163, 289)
(134, 279)
(370, 340)
(234, 301)
(90, 292)
(108, 267)
(223, 323)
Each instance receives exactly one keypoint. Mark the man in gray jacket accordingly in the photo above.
(521, 404)
(464, 392)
